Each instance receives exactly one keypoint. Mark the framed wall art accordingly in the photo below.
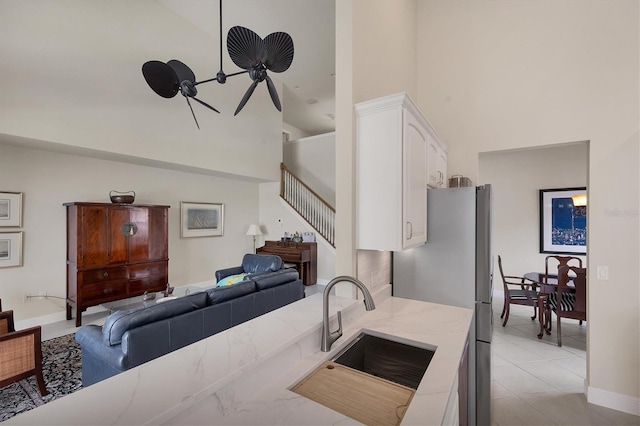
(201, 219)
(10, 249)
(11, 209)
(563, 221)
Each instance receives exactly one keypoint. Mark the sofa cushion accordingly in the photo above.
(119, 322)
(272, 279)
(252, 263)
(222, 294)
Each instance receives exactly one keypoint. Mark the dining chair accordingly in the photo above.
(567, 301)
(517, 293)
(562, 261)
(20, 353)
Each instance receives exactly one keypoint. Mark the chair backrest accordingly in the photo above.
(579, 287)
(549, 261)
(254, 263)
(504, 280)
(6, 322)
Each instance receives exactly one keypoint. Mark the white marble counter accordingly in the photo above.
(242, 375)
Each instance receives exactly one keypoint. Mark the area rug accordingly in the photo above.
(62, 370)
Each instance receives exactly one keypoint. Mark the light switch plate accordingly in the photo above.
(602, 272)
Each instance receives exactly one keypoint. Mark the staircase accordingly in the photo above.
(316, 211)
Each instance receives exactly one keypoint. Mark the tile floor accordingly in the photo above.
(535, 382)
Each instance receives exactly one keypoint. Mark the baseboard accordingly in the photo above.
(613, 400)
(51, 318)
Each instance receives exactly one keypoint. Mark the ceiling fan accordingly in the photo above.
(247, 50)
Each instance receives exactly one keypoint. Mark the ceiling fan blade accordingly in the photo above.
(205, 104)
(279, 47)
(246, 97)
(182, 70)
(274, 93)
(192, 113)
(161, 78)
(246, 48)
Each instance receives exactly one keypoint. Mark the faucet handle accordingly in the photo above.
(339, 330)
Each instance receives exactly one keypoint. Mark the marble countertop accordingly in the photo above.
(242, 375)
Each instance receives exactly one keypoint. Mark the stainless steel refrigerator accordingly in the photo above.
(455, 268)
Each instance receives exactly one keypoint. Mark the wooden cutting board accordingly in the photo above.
(365, 398)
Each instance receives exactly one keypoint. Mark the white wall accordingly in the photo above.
(48, 180)
(71, 76)
(516, 179)
(313, 160)
(502, 74)
(273, 208)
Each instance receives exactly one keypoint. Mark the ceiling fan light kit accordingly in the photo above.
(247, 50)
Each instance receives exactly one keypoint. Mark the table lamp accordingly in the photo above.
(254, 231)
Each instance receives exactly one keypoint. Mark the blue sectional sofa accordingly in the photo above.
(135, 336)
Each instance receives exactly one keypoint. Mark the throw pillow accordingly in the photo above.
(230, 280)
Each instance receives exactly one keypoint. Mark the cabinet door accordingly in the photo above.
(93, 248)
(102, 243)
(432, 162)
(414, 185)
(150, 241)
(441, 166)
(117, 240)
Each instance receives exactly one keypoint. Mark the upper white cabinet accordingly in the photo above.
(436, 162)
(391, 174)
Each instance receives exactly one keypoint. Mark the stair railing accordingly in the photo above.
(316, 211)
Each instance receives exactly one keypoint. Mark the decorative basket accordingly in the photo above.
(122, 197)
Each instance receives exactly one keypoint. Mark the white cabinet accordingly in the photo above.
(391, 174)
(436, 162)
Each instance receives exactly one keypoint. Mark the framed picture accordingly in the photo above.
(201, 219)
(10, 249)
(563, 221)
(11, 209)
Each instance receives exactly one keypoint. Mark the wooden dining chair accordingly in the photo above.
(20, 353)
(550, 261)
(562, 261)
(567, 301)
(517, 292)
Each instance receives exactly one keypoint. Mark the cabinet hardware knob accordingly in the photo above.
(105, 274)
(106, 291)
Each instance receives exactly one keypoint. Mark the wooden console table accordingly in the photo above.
(304, 257)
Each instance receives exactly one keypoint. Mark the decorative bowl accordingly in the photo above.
(122, 197)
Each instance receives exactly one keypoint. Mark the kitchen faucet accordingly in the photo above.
(328, 337)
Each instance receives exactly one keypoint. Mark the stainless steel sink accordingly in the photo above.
(388, 359)
(371, 380)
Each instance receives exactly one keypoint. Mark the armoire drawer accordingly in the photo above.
(104, 291)
(153, 283)
(143, 270)
(103, 275)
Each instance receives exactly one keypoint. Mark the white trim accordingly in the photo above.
(51, 318)
(613, 400)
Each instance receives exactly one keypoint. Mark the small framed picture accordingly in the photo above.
(11, 209)
(563, 221)
(201, 219)
(10, 249)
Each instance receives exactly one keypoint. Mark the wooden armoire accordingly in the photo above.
(114, 251)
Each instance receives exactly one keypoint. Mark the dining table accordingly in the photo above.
(547, 283)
